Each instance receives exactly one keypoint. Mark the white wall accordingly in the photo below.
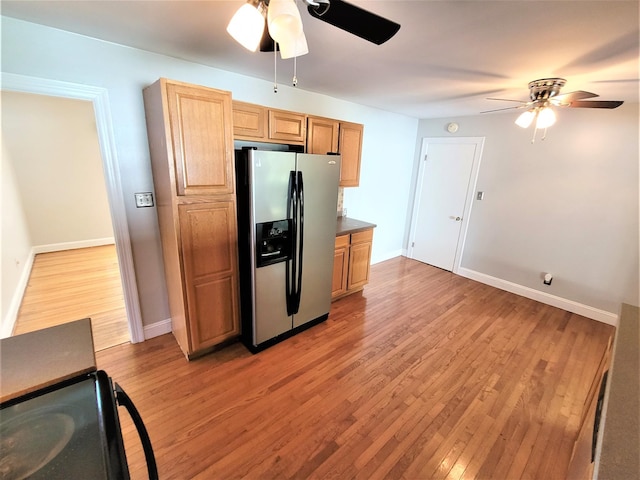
(55, 153)
(566, 205)
(38, 51)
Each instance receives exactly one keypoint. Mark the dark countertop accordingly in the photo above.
(35, 360)
(620, 442)
(348, 225)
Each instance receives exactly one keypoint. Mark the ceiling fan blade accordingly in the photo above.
(506, 100)
(577, 95)
(507, 108)
(355, 20)
(596, 104)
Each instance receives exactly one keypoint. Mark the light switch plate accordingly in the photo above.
(144, 200)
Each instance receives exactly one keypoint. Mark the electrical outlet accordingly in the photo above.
(144, 199)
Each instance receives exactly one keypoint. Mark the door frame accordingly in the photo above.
(100, 100)
(471, 192)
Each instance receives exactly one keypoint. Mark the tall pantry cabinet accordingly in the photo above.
(191, 144)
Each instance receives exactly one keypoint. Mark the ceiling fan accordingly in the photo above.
(284, 25)
(545, 94)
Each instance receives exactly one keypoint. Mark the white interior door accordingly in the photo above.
(444, 193)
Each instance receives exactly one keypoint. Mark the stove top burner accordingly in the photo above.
(30, 441)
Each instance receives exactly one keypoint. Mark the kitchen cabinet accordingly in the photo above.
(322, 135)
(340, 266)
(257, 123)
(202, 155)
(287, 127)
(352, 263)
(191, 145)
(328, 135)
(317, 134)
(350, 147)
(249, 121)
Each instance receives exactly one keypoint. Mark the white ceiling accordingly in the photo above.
(446, 59)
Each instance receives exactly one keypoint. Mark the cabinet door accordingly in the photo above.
(209, 253)
(249, 121)
(350, 147)
(340, 266)
(322, 135)
(359, 259)
(289, 127)
(201, 131)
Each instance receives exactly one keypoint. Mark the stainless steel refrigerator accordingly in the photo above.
(286, 236)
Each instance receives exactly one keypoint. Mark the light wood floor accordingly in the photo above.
(425, 375)
(73, 284)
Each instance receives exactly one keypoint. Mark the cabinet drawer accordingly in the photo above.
(342, 241)
(361, 237)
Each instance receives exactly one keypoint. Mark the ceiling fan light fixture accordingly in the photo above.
(546, 118)
(247, 24)
(525, 118)
(284, 22)
(295, 48)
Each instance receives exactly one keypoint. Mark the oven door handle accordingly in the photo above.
(124, 400)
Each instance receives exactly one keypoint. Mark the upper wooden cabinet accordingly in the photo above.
(350, 148)
(257, 123)
(288, 127)
(318, 134)
(200, 123)
(322, 135)
(249, 121)
(327, 135)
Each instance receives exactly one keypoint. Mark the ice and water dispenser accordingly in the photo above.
(273, 242)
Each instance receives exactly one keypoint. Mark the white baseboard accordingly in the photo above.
(569, 305)
(385, 256)
(9, 321)
(57, 247)
(156, 329)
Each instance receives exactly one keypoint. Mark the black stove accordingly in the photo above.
(70, 430)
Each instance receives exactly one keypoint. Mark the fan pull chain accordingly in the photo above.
(533, 139)
(275, 67)
(544, 135)
(295, 78)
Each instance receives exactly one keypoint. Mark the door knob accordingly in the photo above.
(458, 219)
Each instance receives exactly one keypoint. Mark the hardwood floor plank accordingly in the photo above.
(423, 375)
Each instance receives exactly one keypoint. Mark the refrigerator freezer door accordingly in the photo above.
(270, 180)
(270, 172)
(321, 176)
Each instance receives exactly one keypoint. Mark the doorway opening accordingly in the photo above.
(117, 248)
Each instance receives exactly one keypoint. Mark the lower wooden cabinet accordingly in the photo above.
(352, 262)
(340, 266)
(210, 274)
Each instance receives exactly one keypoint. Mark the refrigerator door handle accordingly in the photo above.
(300, 194)
(290, 270)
